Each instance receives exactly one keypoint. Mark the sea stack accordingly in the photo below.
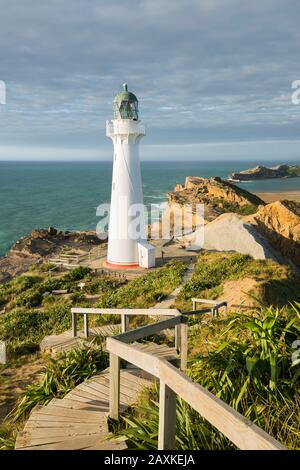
(127, 241)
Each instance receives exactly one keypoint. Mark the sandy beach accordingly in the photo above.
(272, 197)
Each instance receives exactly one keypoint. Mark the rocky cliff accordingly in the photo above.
(279, 222)
(217, 196)
(41, 244)
(263, 172)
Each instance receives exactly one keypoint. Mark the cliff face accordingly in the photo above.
(279, 222)
(218, 197)
(262, 172)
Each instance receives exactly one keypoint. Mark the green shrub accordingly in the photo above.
(21, 326)
(30, 298)
(22, 283)
(77, 273)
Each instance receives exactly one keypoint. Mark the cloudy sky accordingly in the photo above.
(213, 77)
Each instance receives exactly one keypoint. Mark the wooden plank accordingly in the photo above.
(127, 388)
(124, 323)
(242, 432)
(178, 338)
(62, 432)
(205, 301)
(184, 347)
(127, 311)
(148, 330)
(66, 412)
(167, 418)
(114, 382)
(86, 325)
(74, 324)
(143, 360)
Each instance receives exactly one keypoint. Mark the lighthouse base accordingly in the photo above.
(109, 265)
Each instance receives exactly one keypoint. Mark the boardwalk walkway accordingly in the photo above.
(79, 420)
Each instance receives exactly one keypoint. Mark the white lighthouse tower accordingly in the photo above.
(127, 241)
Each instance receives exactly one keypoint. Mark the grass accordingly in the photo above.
(145, 291)
(276, 284)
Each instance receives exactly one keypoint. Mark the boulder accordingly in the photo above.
(229, 232)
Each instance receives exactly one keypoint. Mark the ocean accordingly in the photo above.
(66, 194)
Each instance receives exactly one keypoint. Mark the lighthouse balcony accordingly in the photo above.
(124, 127)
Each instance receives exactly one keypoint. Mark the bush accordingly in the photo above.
(30, 298)
(20, 326)
(22, 283)
(77, 273)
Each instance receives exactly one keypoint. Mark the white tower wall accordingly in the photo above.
(126, 191)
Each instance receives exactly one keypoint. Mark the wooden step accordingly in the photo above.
(92, 442)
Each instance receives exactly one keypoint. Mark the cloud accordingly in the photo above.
(215, 70)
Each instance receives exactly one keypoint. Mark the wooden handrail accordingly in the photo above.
(217, 304)
(169, 312)
(124, 312)
(242, 432)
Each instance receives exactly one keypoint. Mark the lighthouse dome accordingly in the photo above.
(126, 105)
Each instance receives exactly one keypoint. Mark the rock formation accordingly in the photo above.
(40, 245)
(217, 197)
(263, 172)
(279, 222)
(229, 232)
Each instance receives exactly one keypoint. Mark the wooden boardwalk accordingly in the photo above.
(65, 341)
(79, 420)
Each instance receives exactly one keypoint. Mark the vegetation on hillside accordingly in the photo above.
(30, 316)
(146, 290)
(277, 284)
(250, 367)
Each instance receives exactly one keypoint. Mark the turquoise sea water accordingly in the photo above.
(66, 194)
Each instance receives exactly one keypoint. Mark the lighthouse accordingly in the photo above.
(127, 241)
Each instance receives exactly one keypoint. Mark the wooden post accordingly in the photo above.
(194, 305)
(177, 338)
(167, 418)
(74, 324)
(114, 386)
(184, 346)
(86, 325)
(124, 323)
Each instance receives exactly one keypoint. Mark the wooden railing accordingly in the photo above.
(216, 305)
(172, 381)
(123, 312)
